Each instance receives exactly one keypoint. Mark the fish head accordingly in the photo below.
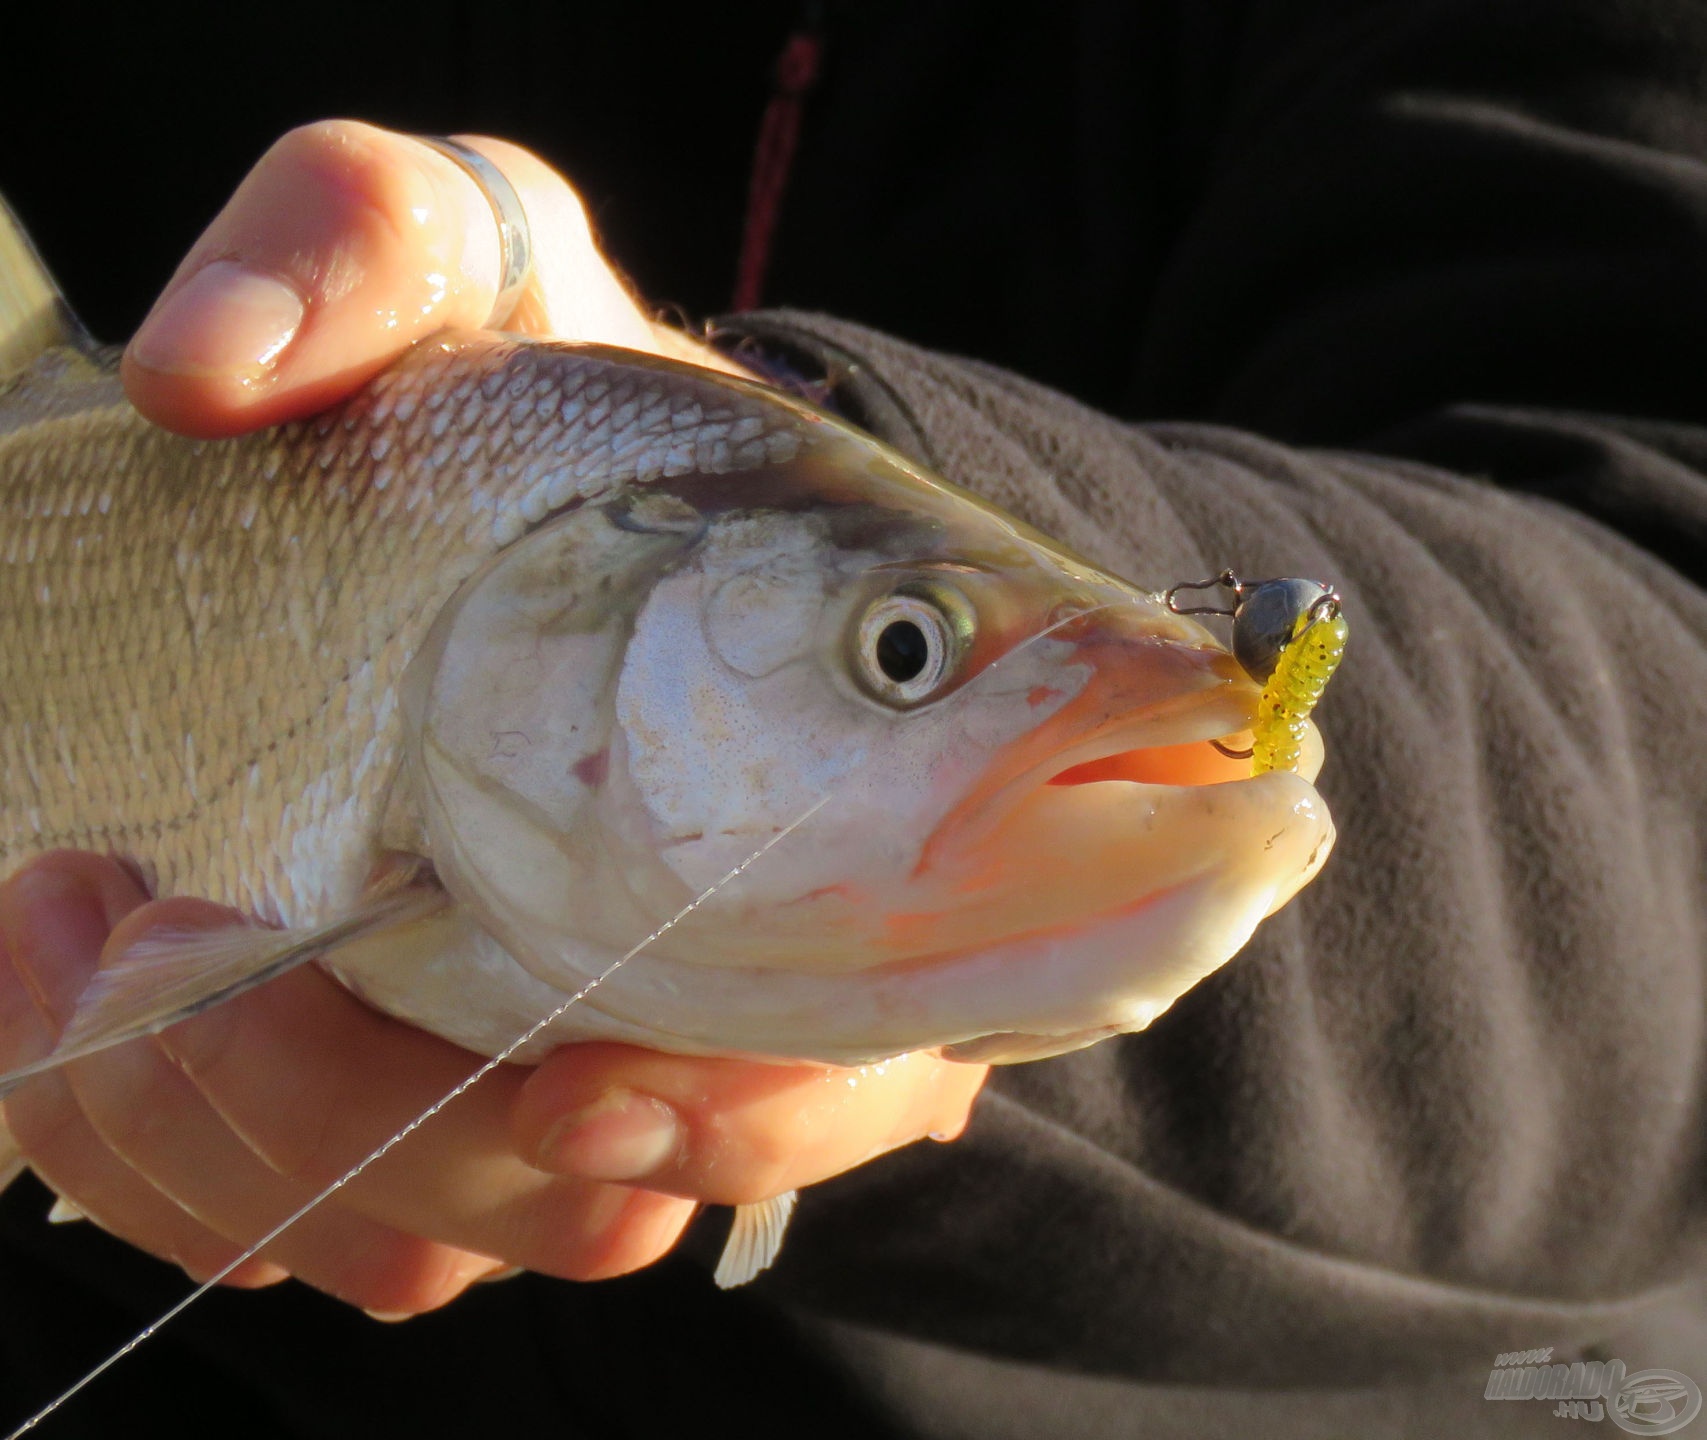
(924, 777)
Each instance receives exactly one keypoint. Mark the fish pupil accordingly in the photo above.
(902, 651)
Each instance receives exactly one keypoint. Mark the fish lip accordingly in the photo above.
(1198, 714)
(1193, 717)
(1129, 738)
(981, 845)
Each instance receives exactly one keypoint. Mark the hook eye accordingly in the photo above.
(1227, 579)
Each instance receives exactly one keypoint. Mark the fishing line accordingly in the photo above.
(472, 1079)
(486, 1068)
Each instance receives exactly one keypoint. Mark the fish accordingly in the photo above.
(532, 656)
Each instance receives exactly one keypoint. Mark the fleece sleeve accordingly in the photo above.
(1452, 1096)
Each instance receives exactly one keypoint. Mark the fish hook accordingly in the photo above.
(1270, 618)
(1226, 578)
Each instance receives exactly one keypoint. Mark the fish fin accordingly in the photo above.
(33, 314)
(64, 1212)
(12, 1163)
(754, 1239)
(168, 977)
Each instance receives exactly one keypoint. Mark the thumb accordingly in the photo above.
(342, 247)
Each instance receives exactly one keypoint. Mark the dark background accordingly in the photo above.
(930, 196)
(1316, 220)
(142, 120)
(960, 177)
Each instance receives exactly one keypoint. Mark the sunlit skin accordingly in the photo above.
(344, 246)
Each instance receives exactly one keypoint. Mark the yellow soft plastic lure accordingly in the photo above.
(1289, 634)
(1306, 664)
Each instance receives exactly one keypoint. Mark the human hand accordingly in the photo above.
(356, 223)
(344, 246)
(194, 1143)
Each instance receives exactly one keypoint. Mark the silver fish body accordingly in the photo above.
(203, 641)
(587, 629)
(611, 657)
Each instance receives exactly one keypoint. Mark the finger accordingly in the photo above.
(342, 247)
(154, 1119)
(55, 915)
(729, 1131)
(132, 1144)
(57, 911)
(68, 1155)
(575, 292)
(313, 1081)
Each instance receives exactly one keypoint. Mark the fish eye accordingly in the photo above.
(909, 645)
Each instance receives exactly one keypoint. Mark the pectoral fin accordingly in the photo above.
(167, 978)
(754, 1240)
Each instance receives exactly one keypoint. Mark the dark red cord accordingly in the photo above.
(773, 157)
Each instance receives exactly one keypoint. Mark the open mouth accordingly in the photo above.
(1196, 763)
(1220, 761)
(1102, 815)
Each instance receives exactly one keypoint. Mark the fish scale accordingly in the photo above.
(306, 565)
(453, 617)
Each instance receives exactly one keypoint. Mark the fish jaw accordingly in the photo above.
(1028, 996)
(1113, 857)
(1097, 864)
(1074, 894)
(1113, 796)
(1119, 970)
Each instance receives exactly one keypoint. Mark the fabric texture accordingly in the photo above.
(1384, 1137)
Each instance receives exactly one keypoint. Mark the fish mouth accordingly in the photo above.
(1223, 759)
(1114, 746)
(1123, 818)
(1118, 813)
(1120, 860)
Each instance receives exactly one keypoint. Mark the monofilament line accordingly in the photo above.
(474, 1078)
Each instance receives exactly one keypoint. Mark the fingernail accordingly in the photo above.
(224, 320)
(621, 1136)
(389, 1317)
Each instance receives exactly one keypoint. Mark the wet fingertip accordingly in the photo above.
(464, 1270)
(468, 1268)
(493, 1277)
(955, 1116)
(226, 322)
(63, 1212)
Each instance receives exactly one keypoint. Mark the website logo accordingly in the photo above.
(1650, 1402)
